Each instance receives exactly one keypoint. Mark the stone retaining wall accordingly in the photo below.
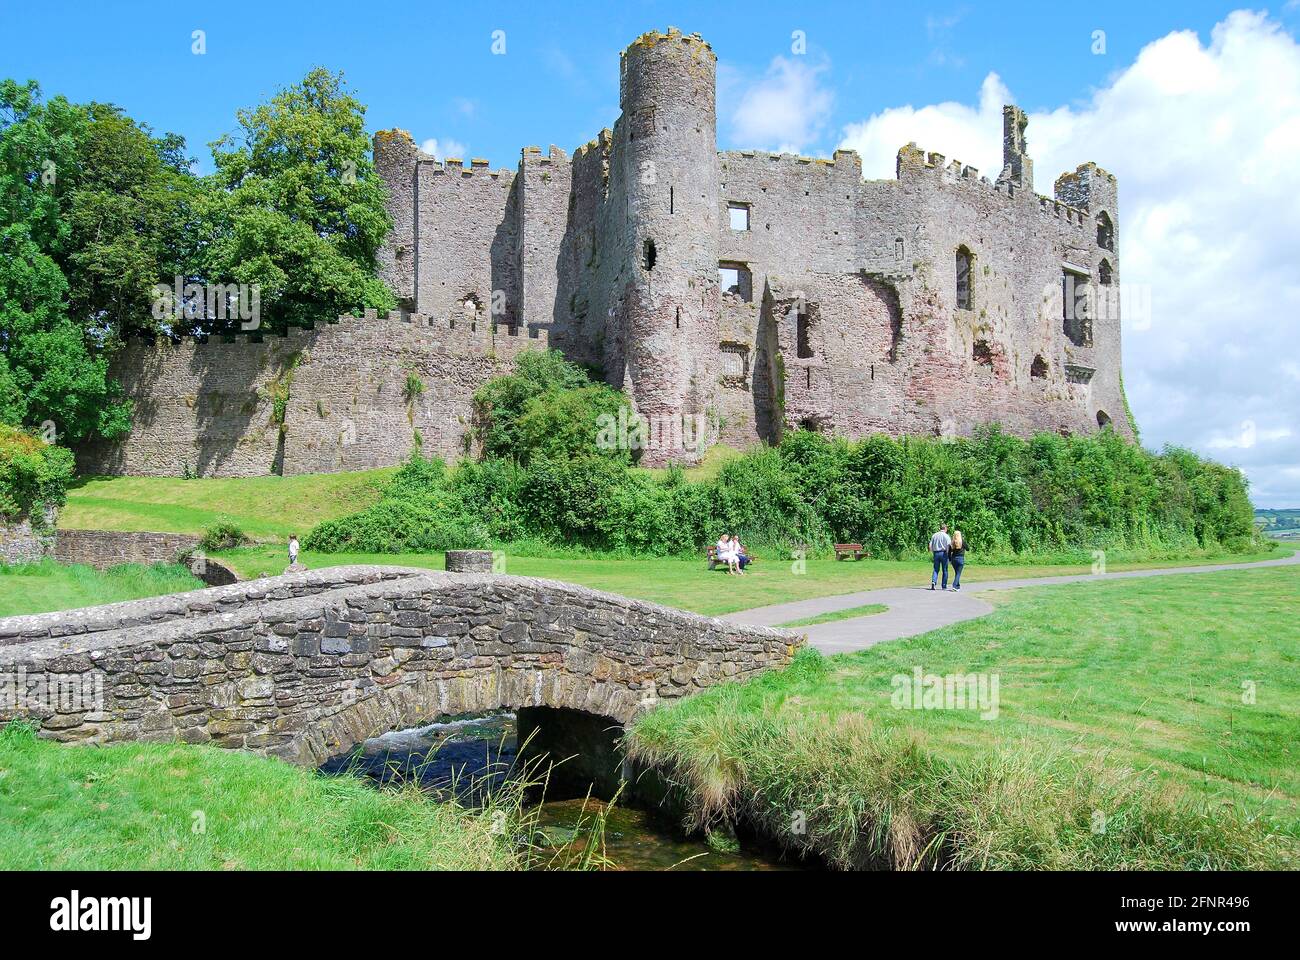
(107, 548)
(306, 665)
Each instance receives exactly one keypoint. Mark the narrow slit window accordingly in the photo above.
(803, 337)
(963, 279)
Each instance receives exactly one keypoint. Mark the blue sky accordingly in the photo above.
(1195, 106)
(428, 67)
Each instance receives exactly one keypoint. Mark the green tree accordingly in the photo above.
(96, 212)
(298, 207)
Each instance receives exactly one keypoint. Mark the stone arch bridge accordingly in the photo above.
(306, 665)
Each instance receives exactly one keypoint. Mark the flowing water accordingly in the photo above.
(469, 756)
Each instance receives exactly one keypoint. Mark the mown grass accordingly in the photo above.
(180, 807)
(40, 587)
(1121, 740)
(848, 613)
(688, 585)
(261, 506)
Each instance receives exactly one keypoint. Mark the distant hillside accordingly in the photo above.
(1279, 523)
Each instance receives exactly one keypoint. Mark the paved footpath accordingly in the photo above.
(916, 610)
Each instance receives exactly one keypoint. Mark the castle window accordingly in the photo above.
(1103, 419)
(735, 364)
(803, 336)
(739, 215)
(1105, 231)
(1038, 369)
(963, 278)
(982, 353)
(1105, 274)
(735, 278)
(648, 255)
(1075, 318)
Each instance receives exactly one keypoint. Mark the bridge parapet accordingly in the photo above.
(304, 666)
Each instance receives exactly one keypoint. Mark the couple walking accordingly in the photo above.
(948, 550)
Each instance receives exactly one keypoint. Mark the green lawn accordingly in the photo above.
(180, 807)
(271, 507)
(687, 584)
(40, 587)
(1120, 705)
(848, 613)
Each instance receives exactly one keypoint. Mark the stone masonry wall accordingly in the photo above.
(107, 548)
(212, 406)
(21, 543)
(303, 666)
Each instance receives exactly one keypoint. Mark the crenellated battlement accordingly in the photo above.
(914, 163)
(477, 335)
(655, 38)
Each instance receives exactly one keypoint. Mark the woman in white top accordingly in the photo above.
(727, 553)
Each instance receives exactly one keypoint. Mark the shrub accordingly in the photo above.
(542, 479)
(34, 476)
(222, 535)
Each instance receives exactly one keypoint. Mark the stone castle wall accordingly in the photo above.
(345, 390)
(557, 252)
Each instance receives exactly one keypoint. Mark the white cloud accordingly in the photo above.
(444, 148)
(786, 110)
(1203, 138)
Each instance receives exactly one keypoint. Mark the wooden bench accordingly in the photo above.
(854, 550)
(712, 553)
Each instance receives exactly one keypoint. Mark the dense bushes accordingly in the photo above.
(543, 479)
(34, 476)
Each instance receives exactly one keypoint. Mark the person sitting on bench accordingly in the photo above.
(727, 554)
(742, 555)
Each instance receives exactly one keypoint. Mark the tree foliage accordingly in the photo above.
(298, 207)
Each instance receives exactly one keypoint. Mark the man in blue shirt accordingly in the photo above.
(939, 545)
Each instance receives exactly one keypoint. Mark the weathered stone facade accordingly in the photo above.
(305, 665)
(21, 541)
(343, 396)
(102, 549)
(107, 548)
(930, 303)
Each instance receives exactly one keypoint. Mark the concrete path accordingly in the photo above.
(916, 610)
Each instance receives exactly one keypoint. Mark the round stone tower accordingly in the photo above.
(670, 301)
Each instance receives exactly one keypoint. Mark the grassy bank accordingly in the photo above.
(40, 587)
(1121, 738)
(271, 507)
(178, 807)
(686, 584)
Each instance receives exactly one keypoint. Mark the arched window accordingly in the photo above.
(1105, 231)
(964, 261)
(1105, 273)
(1103, 419)
(1038, 369)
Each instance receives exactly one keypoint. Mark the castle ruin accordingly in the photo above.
(752, 292)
